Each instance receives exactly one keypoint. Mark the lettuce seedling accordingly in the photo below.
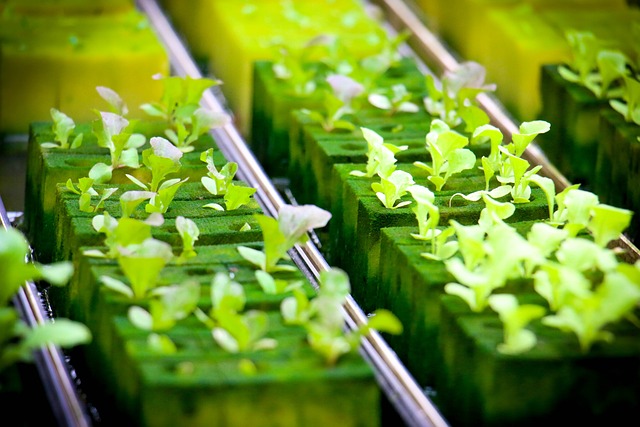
(162, 159)
(271, 285)
(458, 92)
(515, 318)
(180, 107)
(233, 330)
(121, 233)
(280, 235)
(629, 105)
(391, 189)
(337, 103)
(235, 197)
(491, 164)
(63, 127)
(141, 264)
(612, 300)
(381, 158)
(189, 234)
(505, 252)
(123, 146)
(17, 339)
(558, 283)
(607, 223)
(394, 100)
(448, 155)
(117, 104)
(427, 213)
(169, 305)
(574, 209)
(292, 65)
(85, 190)
(15, 269)
(216, 181)
(593, 66)
(323, 317)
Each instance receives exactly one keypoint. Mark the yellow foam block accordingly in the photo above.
(522, 42)
(64, 7)
(62, 66)
(246, 32)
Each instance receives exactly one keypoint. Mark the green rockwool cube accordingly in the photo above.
(574, 111)
(58, 62)
(158, 390)
(358, 243)
(73, 228)
(411, 286)
(141, 376)
(553, 381)
(48, 167)
(617, 167)
(272, 103)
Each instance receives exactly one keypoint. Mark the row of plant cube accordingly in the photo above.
(178, 275)
(594, 99)
(459, 198)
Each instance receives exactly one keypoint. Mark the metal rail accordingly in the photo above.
(400, 387)
(67, 406)
(430, 49)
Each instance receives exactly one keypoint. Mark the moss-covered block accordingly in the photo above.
(48, 167)
(552, 381)
(216, 390)
(272, 103)
(574, 114)
(618, 165)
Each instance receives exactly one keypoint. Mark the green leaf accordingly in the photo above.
(61, 332)
(385, 321)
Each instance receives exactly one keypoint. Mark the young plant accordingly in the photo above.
(63, 127)
(17, 339)
(593, 66)
(272, 286)
(189, 234)
(168, 306)
(117, 104)
(427, 213)
(391, 189)
(588, 315)
(180, 107)
(141, 264)
(121, 233)
(381, 158)
(162, 159)
(448, 155)
(515, 318)
(280, 235)
(235, 197)
(394, 100)
(500, 257)
(123, 146)
(234, 330)
(456, 98)
(216, 181)
(323, 317)
(86, 191)
(293, 65)
(629, 105)
(337, 103)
